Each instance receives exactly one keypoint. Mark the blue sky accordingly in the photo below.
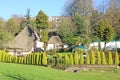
(19, 7)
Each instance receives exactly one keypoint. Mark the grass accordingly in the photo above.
(10, 71)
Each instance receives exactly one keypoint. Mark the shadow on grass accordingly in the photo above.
(15, 76)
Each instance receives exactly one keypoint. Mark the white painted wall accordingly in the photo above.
(110, 45)
(40, 45)
(50, 46)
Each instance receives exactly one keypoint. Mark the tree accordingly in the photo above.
(92, 58)
(42, 26)
(71, 59)
(110, 60)
(98, 58)
(44, 59)
(83, 7)
(66, 30)
(103, 58)
(5, 37)
(113, 16)
(27, 21)
(42, 20)
(11, 26)
(81, 59)
(67, 60)
(104, 32)
(87, 59)
(76, 61)
(116, 58)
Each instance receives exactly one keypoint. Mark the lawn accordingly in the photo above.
(10, 71)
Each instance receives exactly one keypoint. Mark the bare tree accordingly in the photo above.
(83, 7)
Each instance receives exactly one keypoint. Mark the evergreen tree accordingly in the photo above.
(44, 59)
(116, 58)
(104, 31)
(42, 26)
(98, 58)
(81, 59)
(92, 58)
(87, 59)
(71, 59)
(67, 61)
(103, 59)
(110, 60)
(76, 61)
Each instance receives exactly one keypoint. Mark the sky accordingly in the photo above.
(19, 7)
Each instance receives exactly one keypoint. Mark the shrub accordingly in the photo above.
(67, 61)
(71, 59)
(59, 58)
(116, 58)
(76, 62)
(81, 59)
(92, 58)
(98, 58)
(44, 59)
(87, 59)
(103, 58)
(110, 60)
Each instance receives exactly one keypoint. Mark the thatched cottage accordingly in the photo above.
(54, 43)
(25, 42)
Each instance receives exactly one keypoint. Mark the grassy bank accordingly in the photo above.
(9, 71)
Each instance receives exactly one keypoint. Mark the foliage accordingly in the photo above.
(44, 59)
(76, 60)
(11, 26)
(103, 59)
(110, 60)
(44, 37)
(81, 59)
(71, 59)
(5, 37)
(79, 24)
(78, 6)
(92, 56)
(116, 58)
(104, 31)
(98, 58)
(67, 30)
(87, 59)
(67, 60)
(42, 20)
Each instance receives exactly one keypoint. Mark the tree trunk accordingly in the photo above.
(104, 47)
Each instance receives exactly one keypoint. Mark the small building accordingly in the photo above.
(54, 43)
(25, 42)
(113, 45)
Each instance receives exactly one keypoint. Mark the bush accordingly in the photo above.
(87, 59)
(44, 59)
(116, 58)
(71, 59)
(92, 58)
(110, 60)
(98, 58)
(81, 59)
(67, 61)
(103, 58)
(76, 61)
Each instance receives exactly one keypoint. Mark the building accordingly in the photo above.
(24, 43)
(113, 45)
(54, 43)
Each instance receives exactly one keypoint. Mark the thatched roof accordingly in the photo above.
(24, 40)
(55, 40)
